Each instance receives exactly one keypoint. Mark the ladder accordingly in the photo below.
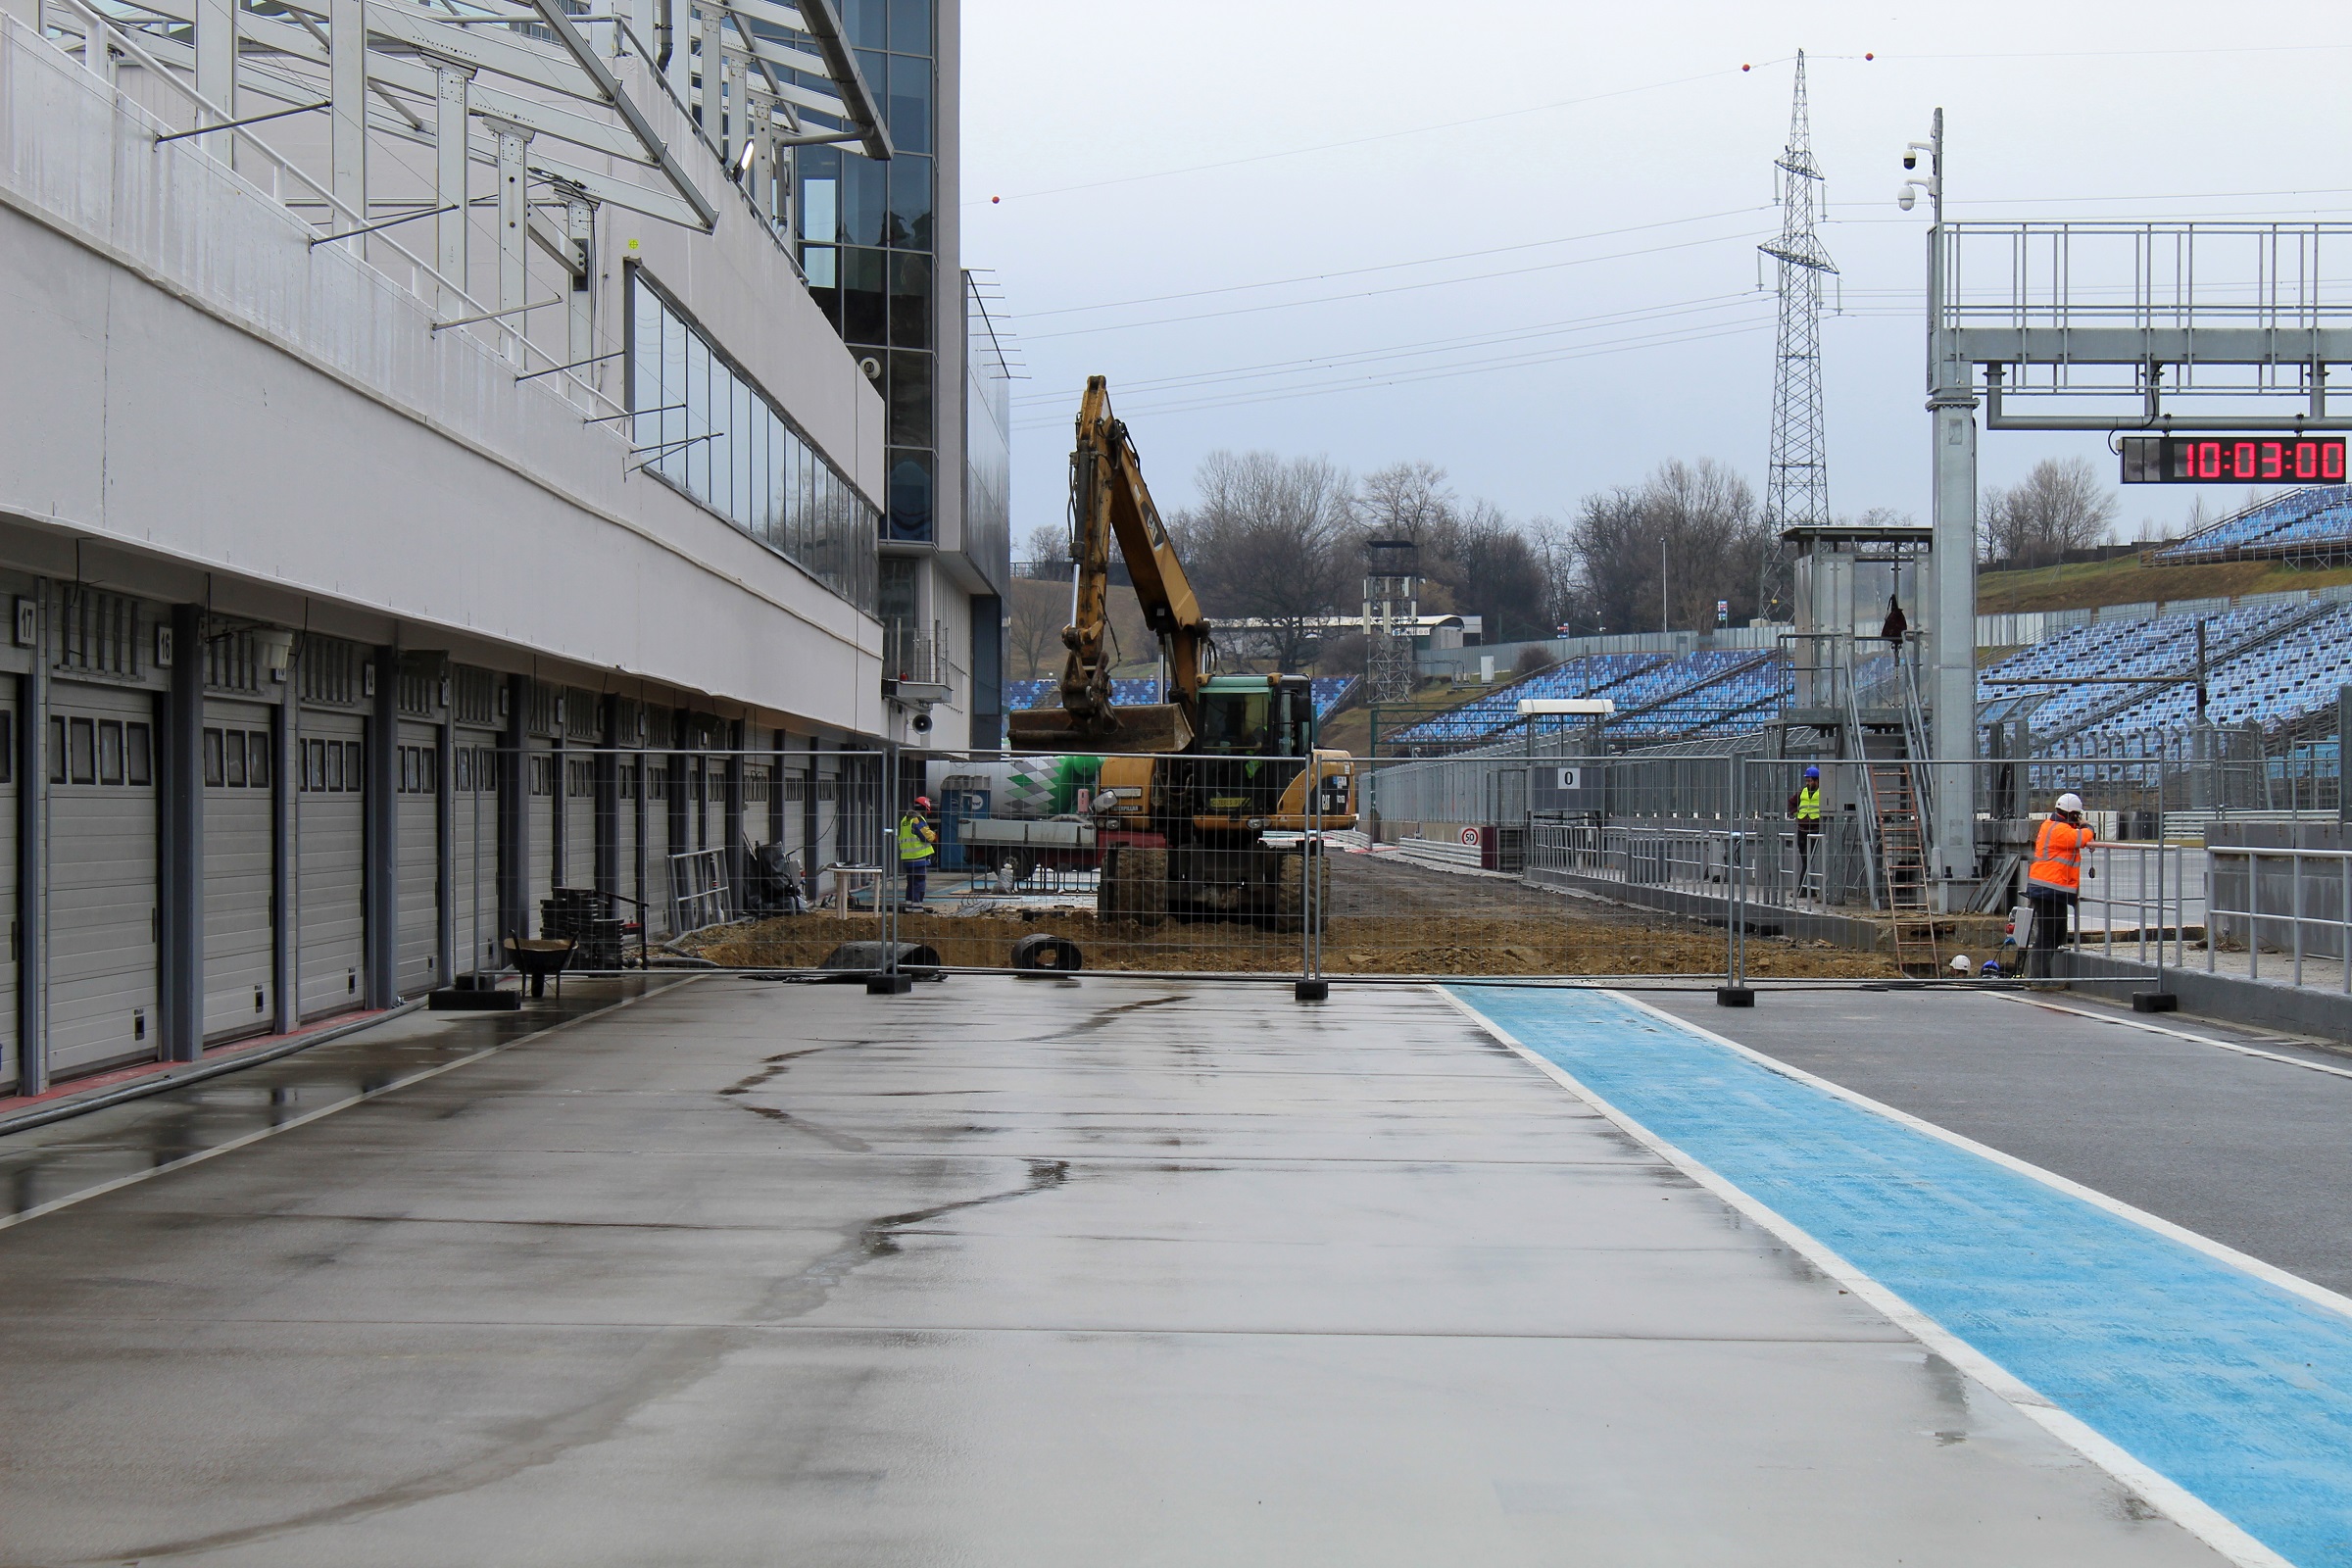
(1903, 864)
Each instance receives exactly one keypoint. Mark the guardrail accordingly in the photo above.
(2298, 899)
(2160, 886)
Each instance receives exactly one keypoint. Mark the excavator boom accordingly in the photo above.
(1109, 500)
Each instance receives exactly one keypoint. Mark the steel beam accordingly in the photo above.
(579, 225)
(450, 183)
(514, 228)
(347, 106)
(2133, 345)
(216, 27)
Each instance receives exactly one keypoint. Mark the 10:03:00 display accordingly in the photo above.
(2232, 459)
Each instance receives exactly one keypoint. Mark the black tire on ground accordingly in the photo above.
(1044, 950)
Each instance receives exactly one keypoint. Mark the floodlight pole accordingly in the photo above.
(1952, 627)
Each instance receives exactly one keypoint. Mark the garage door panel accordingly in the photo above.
(418, 858)
(103, 902)
(240, 857)
(332, 827)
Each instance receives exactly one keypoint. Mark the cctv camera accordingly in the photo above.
(1906, 199)
(1910, 160)
(871, 367)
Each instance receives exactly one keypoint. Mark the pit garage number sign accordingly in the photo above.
(2234, 460)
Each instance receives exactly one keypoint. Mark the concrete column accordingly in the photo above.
(513, 826)
(285, 898)
(1952, 675)
(450, 185)
(445, 840)
(33, 857)
(180, 894)
(347, 92)
(731, 808)
(382, 888)
(607, 799)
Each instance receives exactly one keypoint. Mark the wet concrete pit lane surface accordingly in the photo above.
(995, 1273)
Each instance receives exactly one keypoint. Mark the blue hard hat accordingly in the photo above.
(1812, 772)
(1992, 968)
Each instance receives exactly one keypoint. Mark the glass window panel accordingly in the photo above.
(138, 744)
(355, 775)
(909, 108)
(334, 762)
(719, 491)
(212, 774)
(911, 495)
(699, 414)
(646, 364)
(779, 470)
(820, 210)
(863, 193)
(862, 296)
(81, 744)
(910, 300)
(740, 438)
(910, 399)
(910, 202)
(910, 26)
(865, 21)
(672, 463)
(232, 758)
(57, 750)
(257, 758)
(109, 750)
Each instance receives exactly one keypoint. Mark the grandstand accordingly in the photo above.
(2312, 524)
(1022, 695)
(1658, 696)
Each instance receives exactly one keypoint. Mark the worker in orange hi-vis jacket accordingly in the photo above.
(2054, 881)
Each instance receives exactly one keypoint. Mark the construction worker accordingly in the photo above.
(2054, 880)
(1895, 626)
(918, 841)
(1805, 807)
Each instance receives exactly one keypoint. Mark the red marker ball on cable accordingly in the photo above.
(1743, 67)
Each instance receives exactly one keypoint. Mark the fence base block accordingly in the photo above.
(1735, 996)
(1313, 991)
(2155, 1001)
(888, 985)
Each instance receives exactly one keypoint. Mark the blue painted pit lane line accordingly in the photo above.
(2218, 1386)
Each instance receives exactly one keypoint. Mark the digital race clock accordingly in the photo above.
(2234, 460)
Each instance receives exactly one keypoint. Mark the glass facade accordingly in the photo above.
(986, 444)
(867, 246)
(704, 427)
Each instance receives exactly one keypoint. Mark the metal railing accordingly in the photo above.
(2159, 888)
(2297, 902)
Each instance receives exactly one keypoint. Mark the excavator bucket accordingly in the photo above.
(1145, 727)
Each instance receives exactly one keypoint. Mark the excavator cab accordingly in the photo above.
(1256, 715)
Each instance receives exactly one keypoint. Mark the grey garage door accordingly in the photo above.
(330, 827)
(473, 827)
(102, 879)
(239, 869)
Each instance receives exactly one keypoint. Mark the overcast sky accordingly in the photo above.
(1542, 217)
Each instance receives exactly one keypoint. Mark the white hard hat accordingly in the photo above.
(1960, 964)
(2069, 802)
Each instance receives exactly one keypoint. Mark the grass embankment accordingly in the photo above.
(2126, 580)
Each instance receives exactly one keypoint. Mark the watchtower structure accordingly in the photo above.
(1392, 607)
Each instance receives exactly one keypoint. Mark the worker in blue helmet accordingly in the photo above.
(1805, 807)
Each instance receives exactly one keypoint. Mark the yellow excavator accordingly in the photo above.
(1225, 760)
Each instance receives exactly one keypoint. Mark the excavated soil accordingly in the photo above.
(1388, 917)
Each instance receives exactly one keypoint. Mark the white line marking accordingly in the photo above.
(2191, 1513)
(2128, 1022)
(7, 1221)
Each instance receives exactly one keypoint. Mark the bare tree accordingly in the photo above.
(1036, 614)
(1049, 552)
(1696, 522)
(1271, 542)
(2059, 506)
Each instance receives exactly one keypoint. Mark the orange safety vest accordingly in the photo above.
(2058, 856)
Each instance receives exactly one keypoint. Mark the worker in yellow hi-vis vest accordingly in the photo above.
(1805, 807)
(918, 841)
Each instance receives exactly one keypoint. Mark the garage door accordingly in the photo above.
(543, 774)
(579, 822)
(661, 784)
(102, 886)
(474, 826)
(8, 889)
(240, 870)
(330, 867)
(630, 775)
(417, 859)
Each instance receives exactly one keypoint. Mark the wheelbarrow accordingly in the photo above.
(537, 957)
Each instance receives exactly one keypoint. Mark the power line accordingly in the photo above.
(1390, 266)
(1400, 288)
